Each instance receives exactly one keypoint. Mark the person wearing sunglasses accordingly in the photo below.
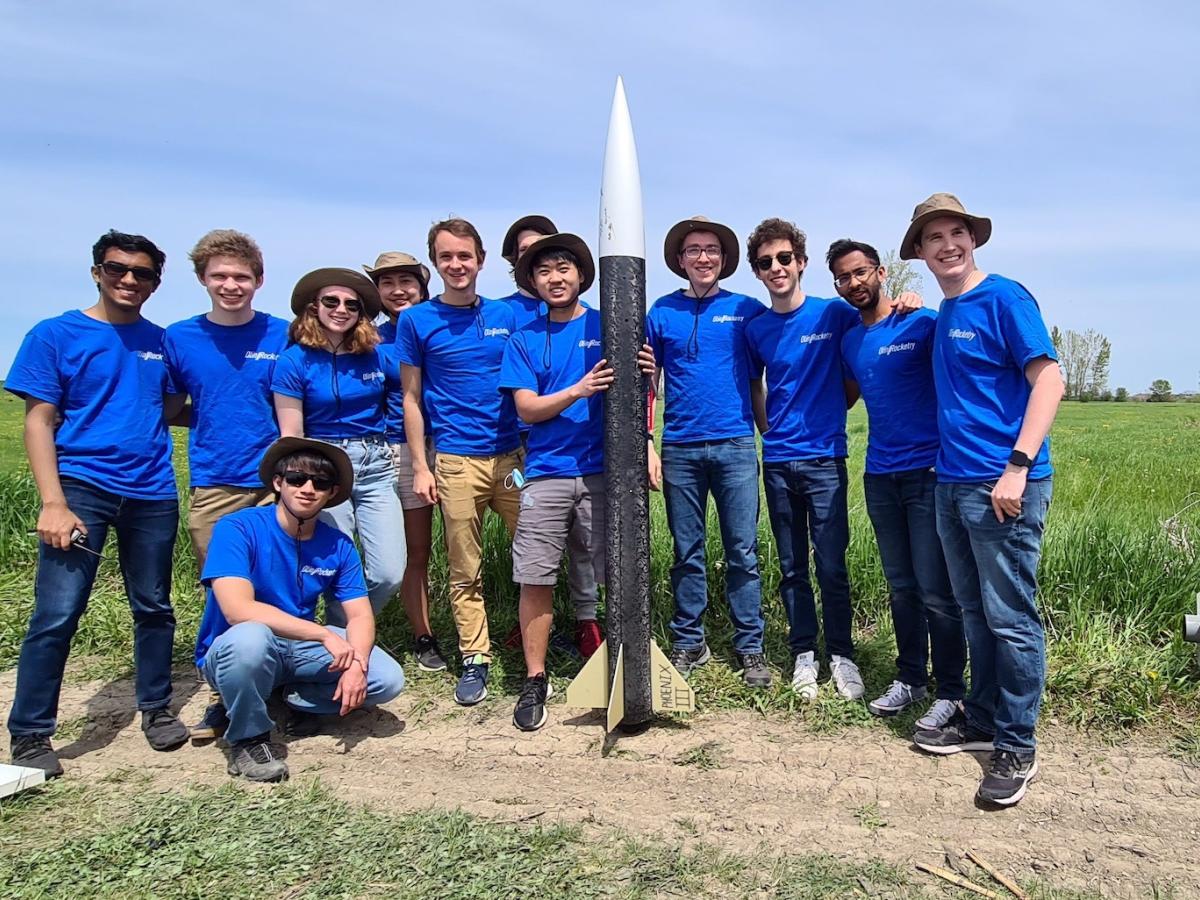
(403, 282)
(330, 385)
(708, 446)
(266, 568)
(97, 398)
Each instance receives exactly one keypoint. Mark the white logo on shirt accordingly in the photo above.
(585, 344)
(147, 355)
(373, 376)
(495, 332)
(721, 319)
(816, 336)
(260, 354)
(315, 570)
(897, 348)
(957, 334)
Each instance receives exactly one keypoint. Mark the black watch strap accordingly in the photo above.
(1020, 459)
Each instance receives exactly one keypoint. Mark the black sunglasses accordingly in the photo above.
(299, 479)
(331, 302)
(764, 263)
(118, 271)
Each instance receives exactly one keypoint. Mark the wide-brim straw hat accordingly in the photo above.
(305, 291)
(395, 261)
(537, 223)
(286, 446)
(559, 241)
(730, 254)
(941, 205)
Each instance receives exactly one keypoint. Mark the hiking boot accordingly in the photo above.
(937, 715)
(897, 698)
(804, 675)
(1007, 777)
(955, 736)
(588, 637)
(214, 721)
(754, 670)
(163, 729)
(530, 712)
(472, 684)
(301, 723)
(33, 751)
(846, 678)
(255, 759)
(685, 659)
(429, 655)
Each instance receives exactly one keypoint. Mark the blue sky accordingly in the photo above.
(331, 132)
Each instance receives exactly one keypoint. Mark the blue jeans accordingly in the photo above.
(993, 567)
(808, 496)
(727, 469)
(146, 532)
(927, 618)
(373, 512)
(247, 662)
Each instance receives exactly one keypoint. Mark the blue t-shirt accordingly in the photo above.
(251, 544)
(343, 393)
(801, 353)
(701, 348)
(459, 349)
(983, 341)
(389, 358)
(572, 443)
(387, 332)
(526, 309)
(892, 361)
(108, 382)
(227, 371)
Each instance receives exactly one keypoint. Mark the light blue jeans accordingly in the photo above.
(372, 514)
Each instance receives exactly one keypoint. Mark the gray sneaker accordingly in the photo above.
(255, 759)
(897, 698)
(685, 659)
(754, 670)
(804, 675)
(941, 712)
(846, 678)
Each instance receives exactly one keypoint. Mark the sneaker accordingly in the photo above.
(255, 759)
(563, 645)
(685, 659)
(302, 724)
(898, 697)
(472, 684)
(955, 736)
(429, 655)
(214, 721)
(33, 751)
(163, 729)
(588, 637)
(754, 670)
(804, 675)
(937, 715)
(1007, 777)
(846, 678)
(530, 713)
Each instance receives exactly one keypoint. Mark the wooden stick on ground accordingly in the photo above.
(1002, 879)
(959, 881)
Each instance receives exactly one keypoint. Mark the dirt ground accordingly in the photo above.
(1120, 820)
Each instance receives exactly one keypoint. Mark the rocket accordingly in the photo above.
(629, 675)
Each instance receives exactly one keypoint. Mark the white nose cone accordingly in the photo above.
(621, 229)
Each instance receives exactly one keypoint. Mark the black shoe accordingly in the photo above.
(163, 729)
(1007, 777)
(301, 724)
(213, 723)
(33, 751)
(754, 670)
(955, 736)
(255, 759)
(429, 655)
(530, 714)
(684, 659)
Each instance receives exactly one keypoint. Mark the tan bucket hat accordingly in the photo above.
(395, 261)
(680, 230)
(335, 454)
(941, 205)
(537, 223)
(305, 291)
(557, 241)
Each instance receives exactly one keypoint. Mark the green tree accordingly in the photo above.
(901, 276)
(1160, 391)
(1121, 396)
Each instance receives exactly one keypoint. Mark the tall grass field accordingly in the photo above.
(1121, 566)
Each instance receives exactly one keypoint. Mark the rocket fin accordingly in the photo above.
(589, 689)
(668, 690)
(616, 703)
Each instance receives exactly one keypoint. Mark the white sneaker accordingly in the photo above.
(937, 715)
(846, 678)
(804, 675)
(897, 698)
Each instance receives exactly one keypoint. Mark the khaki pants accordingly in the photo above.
(467, 486)
(208, 504)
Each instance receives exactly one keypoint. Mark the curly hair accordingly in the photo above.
(776, 230)
(226, 242)
(307, 331)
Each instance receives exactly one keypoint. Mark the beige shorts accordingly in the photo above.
(402, 463)
(553, 511)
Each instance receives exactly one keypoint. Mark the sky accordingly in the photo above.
(332, 132)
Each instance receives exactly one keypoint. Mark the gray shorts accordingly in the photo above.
(556, 512)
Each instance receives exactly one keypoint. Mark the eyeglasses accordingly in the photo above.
(712, 251)
(764, 263)
(300, 479)
(859, 274)
(330, 302)
(117, 271)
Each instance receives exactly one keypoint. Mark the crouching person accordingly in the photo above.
(266, 568)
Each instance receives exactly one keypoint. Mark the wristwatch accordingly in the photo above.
(1020, 459)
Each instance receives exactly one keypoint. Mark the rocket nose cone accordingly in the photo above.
(621, 226)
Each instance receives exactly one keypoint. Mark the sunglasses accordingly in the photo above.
(300, 479)
(764, 263)
(117, 271)
(329, 302)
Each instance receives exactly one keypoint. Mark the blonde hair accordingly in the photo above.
(227, 242)
(307, 331)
